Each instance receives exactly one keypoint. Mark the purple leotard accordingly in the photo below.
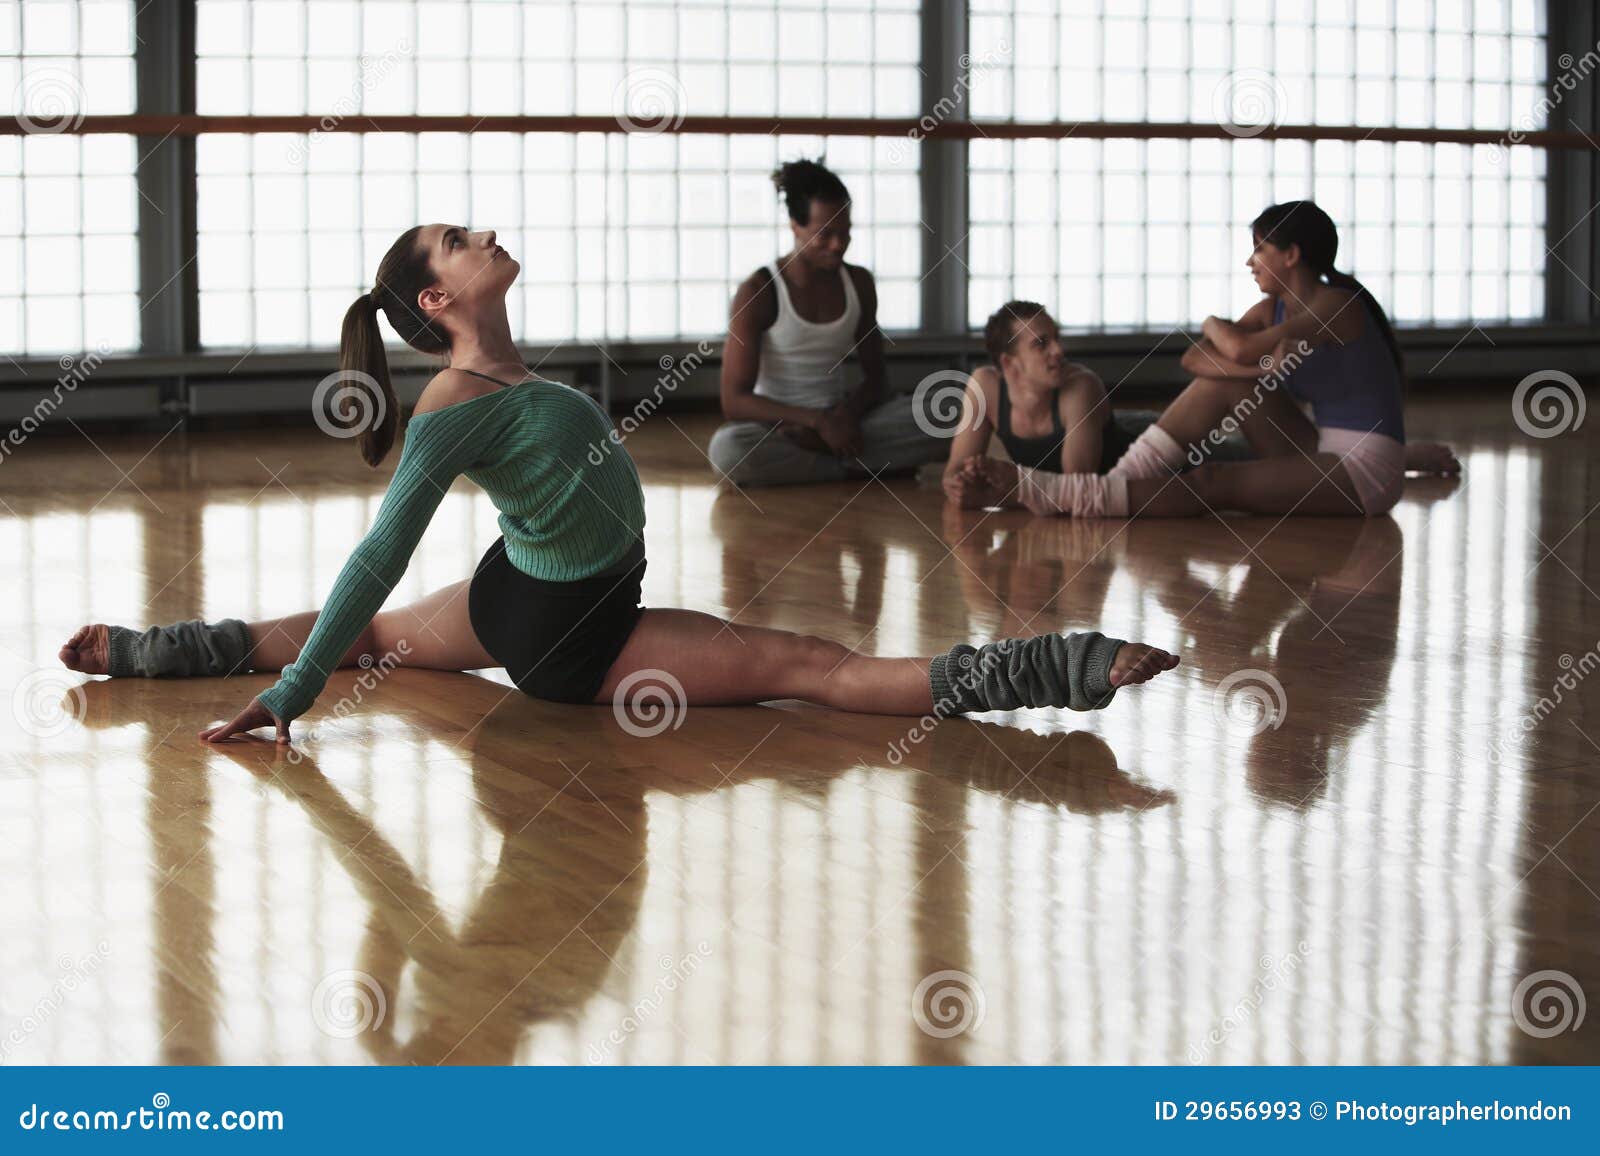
(1354, 386)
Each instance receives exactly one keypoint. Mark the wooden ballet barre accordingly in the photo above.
(919, 129)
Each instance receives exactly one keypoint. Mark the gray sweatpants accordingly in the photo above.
(754, 453)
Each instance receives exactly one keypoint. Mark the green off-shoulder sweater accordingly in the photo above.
(546, 454)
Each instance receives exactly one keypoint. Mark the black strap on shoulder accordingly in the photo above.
(485, 376)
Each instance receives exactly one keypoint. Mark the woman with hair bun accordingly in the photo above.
(792, 413)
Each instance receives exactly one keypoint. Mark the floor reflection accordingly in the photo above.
(549, 942)
(1335, 852)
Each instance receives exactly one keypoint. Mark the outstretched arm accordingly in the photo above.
(434, 454)
(973, 429)
(1083, 404)
(867, 392)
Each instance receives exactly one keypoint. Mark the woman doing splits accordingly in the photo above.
(556, 600)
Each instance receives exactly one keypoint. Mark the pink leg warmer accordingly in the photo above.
(1154, 454)
(1078, 495)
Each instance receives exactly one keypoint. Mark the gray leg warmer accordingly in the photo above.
(1071, 670)
(190, 649)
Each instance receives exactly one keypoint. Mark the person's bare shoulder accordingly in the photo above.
(862, 276)
(987, 380)
(1259, 315)
(1079, 371)
(1339, 312)
(755, 301)
(449, 386)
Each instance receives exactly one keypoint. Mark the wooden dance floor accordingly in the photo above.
(1345, 830)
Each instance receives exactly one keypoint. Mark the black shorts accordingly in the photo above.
(556, 640)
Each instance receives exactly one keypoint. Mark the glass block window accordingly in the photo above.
(1123, 234)
(642, 57)
(620, 236)
(68, 203)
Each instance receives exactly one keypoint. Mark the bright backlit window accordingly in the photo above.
(68, 204)
(1127, 234)
(620, 237)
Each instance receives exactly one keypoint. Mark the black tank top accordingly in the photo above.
(1039, 453)
(1044, 452)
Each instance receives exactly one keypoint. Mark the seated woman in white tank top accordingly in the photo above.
(795, 412)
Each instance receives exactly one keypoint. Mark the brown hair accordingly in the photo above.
(404, 272)
(1304, 223)
(998, 330)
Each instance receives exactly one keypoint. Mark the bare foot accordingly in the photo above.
(1136, 663)
(88, 650)
(1431, 458)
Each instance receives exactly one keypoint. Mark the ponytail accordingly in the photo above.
(403, 273)
(372, 409)
(1344, 281)
(1303, 223)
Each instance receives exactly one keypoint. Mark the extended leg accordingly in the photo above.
(717, 663)
(434, 632)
